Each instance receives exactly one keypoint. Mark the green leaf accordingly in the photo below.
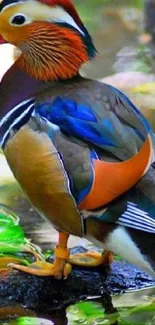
(141, 315)
(89, 309)
(90, 313)
(33, 321)
(13, 243)
(86, 313)
(10, 230)
(30, 321)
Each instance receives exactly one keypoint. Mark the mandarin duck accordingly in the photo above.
(76, 146)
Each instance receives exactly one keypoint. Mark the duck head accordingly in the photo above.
(53, 40)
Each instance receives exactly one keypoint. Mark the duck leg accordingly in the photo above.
(59, 269)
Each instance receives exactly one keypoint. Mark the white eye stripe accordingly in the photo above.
(37, 11)
(61, 16)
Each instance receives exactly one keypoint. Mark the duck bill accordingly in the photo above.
(2, 40)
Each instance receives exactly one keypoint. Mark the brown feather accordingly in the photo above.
(36, 166)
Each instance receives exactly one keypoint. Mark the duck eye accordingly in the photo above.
(18, 20)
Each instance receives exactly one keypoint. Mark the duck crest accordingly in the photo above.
(67, 5)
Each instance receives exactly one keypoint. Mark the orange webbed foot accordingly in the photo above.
(91, 259)
(59, 269)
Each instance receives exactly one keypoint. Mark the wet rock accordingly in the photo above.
(47, 295)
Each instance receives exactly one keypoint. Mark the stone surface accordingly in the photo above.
(50, 295)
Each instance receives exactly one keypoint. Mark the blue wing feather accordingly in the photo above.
(119, 128)
(78, 120)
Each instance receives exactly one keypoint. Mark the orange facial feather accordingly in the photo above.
(57, 52)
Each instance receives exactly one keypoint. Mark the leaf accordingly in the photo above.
(89, 309)
(90, 313)
(30, 321)
(33, 321)
(141, 315)
(134, 298)
(10, 230)
(13, 244)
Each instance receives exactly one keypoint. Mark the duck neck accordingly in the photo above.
(15, 87)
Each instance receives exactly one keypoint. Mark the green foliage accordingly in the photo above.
(136, 3)
(85, 313)
(89, 313)
(13, 241)
(29, 321)
(141, 315)
(92, 313)
(10, 230)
